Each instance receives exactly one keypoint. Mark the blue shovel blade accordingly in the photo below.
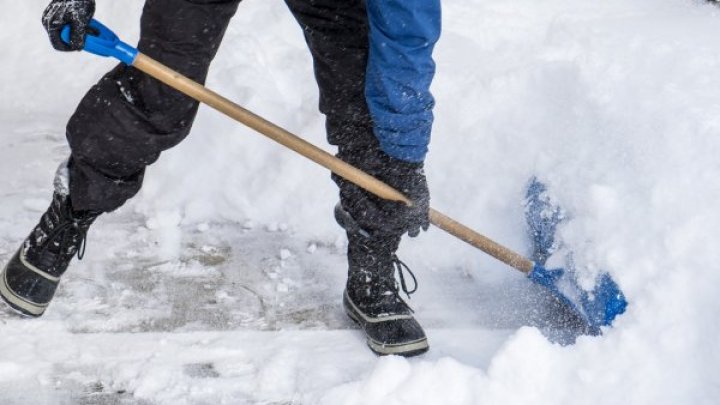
(597, 308)
(543, 217)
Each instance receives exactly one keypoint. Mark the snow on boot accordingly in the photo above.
(28, 282)
(372, 296)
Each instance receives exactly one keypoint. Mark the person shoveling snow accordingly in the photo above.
(373, 65)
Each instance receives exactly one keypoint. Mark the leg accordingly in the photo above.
(120, 127)
(128, 118)
(337, 34)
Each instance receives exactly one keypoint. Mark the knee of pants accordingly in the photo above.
(114, 130)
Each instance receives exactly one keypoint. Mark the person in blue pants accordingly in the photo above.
(373, 65)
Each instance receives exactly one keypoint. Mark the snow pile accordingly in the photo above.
(614, 104)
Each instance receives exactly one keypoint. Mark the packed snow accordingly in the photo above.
(221, 282)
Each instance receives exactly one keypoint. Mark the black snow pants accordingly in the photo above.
(127, 119)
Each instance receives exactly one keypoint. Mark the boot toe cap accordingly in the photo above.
(389, 334)
(25, 288)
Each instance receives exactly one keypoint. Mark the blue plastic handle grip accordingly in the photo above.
(103, 42)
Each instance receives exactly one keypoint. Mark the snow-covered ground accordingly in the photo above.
(220, 283)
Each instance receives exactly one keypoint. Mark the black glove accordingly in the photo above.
(375, 214)
(76, 13)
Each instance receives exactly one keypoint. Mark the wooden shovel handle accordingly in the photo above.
(317, 155)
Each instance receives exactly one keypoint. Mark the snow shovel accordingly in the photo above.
(543, 215)
(597, 308)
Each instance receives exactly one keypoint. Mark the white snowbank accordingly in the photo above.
(615, 104)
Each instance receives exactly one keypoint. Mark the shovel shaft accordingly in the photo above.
(481, 242)
(317, 155)
(265, 127)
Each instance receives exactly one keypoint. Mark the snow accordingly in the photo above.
(221, 281)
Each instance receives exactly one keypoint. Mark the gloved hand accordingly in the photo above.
(375, 214)
(409, 179)
(76, 13)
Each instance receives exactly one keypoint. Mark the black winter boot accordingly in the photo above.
(372, 296)
(30, 279)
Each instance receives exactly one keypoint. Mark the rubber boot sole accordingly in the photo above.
(19, 304)
(405, 349)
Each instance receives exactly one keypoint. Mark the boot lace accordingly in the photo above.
(72, 234)
(400, 268)
(60, 236)
(389, 289)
